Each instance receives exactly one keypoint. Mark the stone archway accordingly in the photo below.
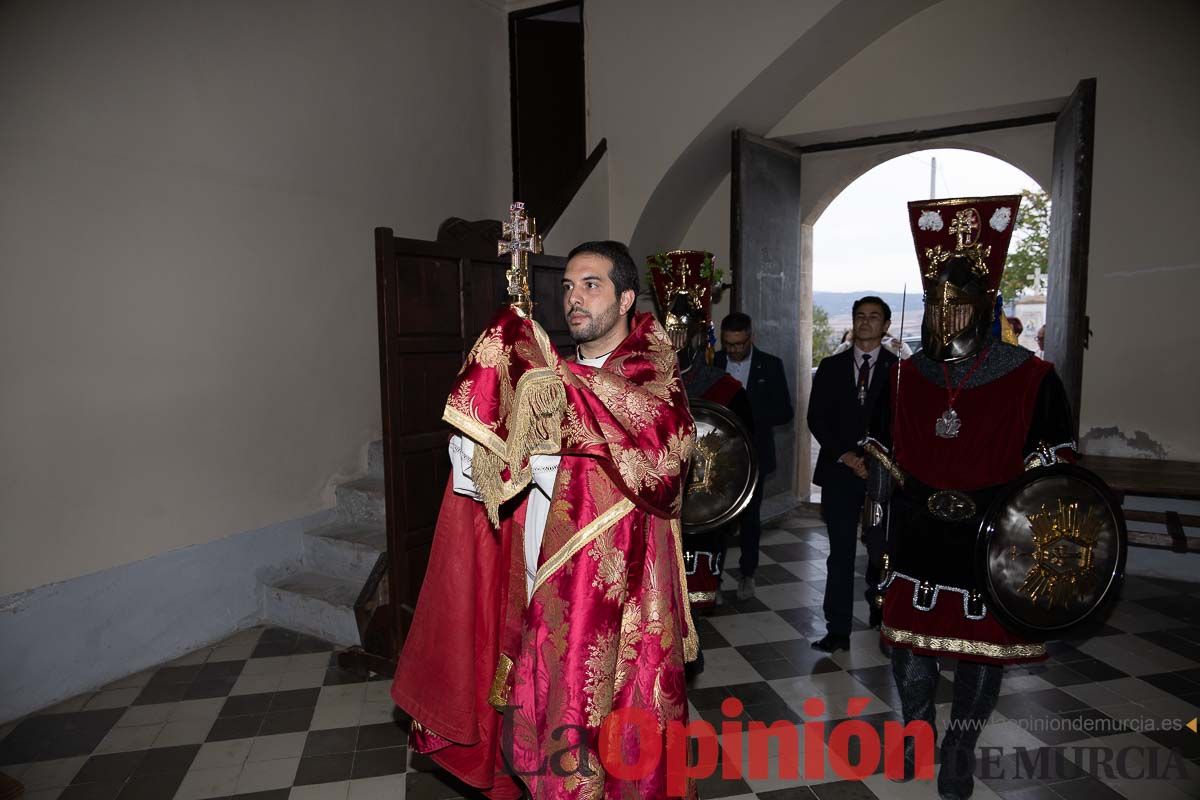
(841, 170)
(859, 162)
(848, 28)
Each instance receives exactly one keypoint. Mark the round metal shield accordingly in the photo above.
(1050, 551)
(723, 471)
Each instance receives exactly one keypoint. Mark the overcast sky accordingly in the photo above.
(862, 241)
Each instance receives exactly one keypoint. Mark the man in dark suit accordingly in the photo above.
(770, 405)
(843, 393)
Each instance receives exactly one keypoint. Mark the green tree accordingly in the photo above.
(1031, 244)
(822, 341)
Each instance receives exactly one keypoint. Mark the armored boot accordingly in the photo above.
(916, 681)
(976, 689)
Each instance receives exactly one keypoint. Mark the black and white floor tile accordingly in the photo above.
(268, 715)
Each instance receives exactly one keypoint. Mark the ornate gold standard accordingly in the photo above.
(520, 239)
(723, 471)
(1051, 550)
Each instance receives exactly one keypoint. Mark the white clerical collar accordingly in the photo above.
(597, 362)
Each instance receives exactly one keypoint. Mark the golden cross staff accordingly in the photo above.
(520, 239)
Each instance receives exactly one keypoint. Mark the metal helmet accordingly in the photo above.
(683, 283)
(961, 245)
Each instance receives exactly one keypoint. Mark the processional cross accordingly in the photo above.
(520, 239)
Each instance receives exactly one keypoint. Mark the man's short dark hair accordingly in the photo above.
(887, 310)
(624, 271)
(735, 322)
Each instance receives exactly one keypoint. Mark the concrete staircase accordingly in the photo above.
(317, 595)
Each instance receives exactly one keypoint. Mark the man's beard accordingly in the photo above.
(596, 326)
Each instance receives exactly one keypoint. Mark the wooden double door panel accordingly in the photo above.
(433, 301)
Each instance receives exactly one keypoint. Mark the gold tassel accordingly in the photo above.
(534, 426)
(485, 472)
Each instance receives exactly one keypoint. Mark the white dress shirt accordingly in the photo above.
(740, 369)
(537, 511)
(858, 359)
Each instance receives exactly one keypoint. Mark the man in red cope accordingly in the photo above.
(962, 418)
(555, 590)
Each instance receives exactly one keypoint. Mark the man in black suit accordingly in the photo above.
(770, 405)
(843, 393)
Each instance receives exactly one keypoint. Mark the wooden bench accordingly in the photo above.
(1143, 477)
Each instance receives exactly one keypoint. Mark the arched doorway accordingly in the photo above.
(861, 244)
(780, 187)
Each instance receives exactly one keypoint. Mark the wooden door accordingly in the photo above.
(434, 298)
(765, 255)
(1070, 215)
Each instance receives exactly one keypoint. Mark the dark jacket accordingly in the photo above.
(770, 402)
(836, 418)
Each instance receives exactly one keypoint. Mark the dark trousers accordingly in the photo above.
(751, 531)
(841, 506)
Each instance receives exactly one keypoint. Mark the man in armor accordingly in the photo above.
(961, 419)
(683, 287)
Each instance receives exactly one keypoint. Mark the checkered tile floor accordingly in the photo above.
(268, 715)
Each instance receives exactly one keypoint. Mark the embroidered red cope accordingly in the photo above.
(607, 626)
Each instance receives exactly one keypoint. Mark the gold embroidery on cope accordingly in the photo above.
(588, 782)
(691, 641)
(603, 491)
(669, 707)
(554, 610)
(610, 567)
(580, 540)
(577, 433)
(559, 525)
(627, 654)
(534, 427)
(598, 686)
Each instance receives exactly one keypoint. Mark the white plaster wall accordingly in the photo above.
(187, 196)
(586, 218)
(710, 231)
(658, 72)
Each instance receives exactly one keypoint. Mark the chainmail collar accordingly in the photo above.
(1002, 359)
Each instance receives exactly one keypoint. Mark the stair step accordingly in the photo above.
(319, 605)
(346, 550)
(375, 459)
(361, 500)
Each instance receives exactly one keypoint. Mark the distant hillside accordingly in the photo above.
(837, 305)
